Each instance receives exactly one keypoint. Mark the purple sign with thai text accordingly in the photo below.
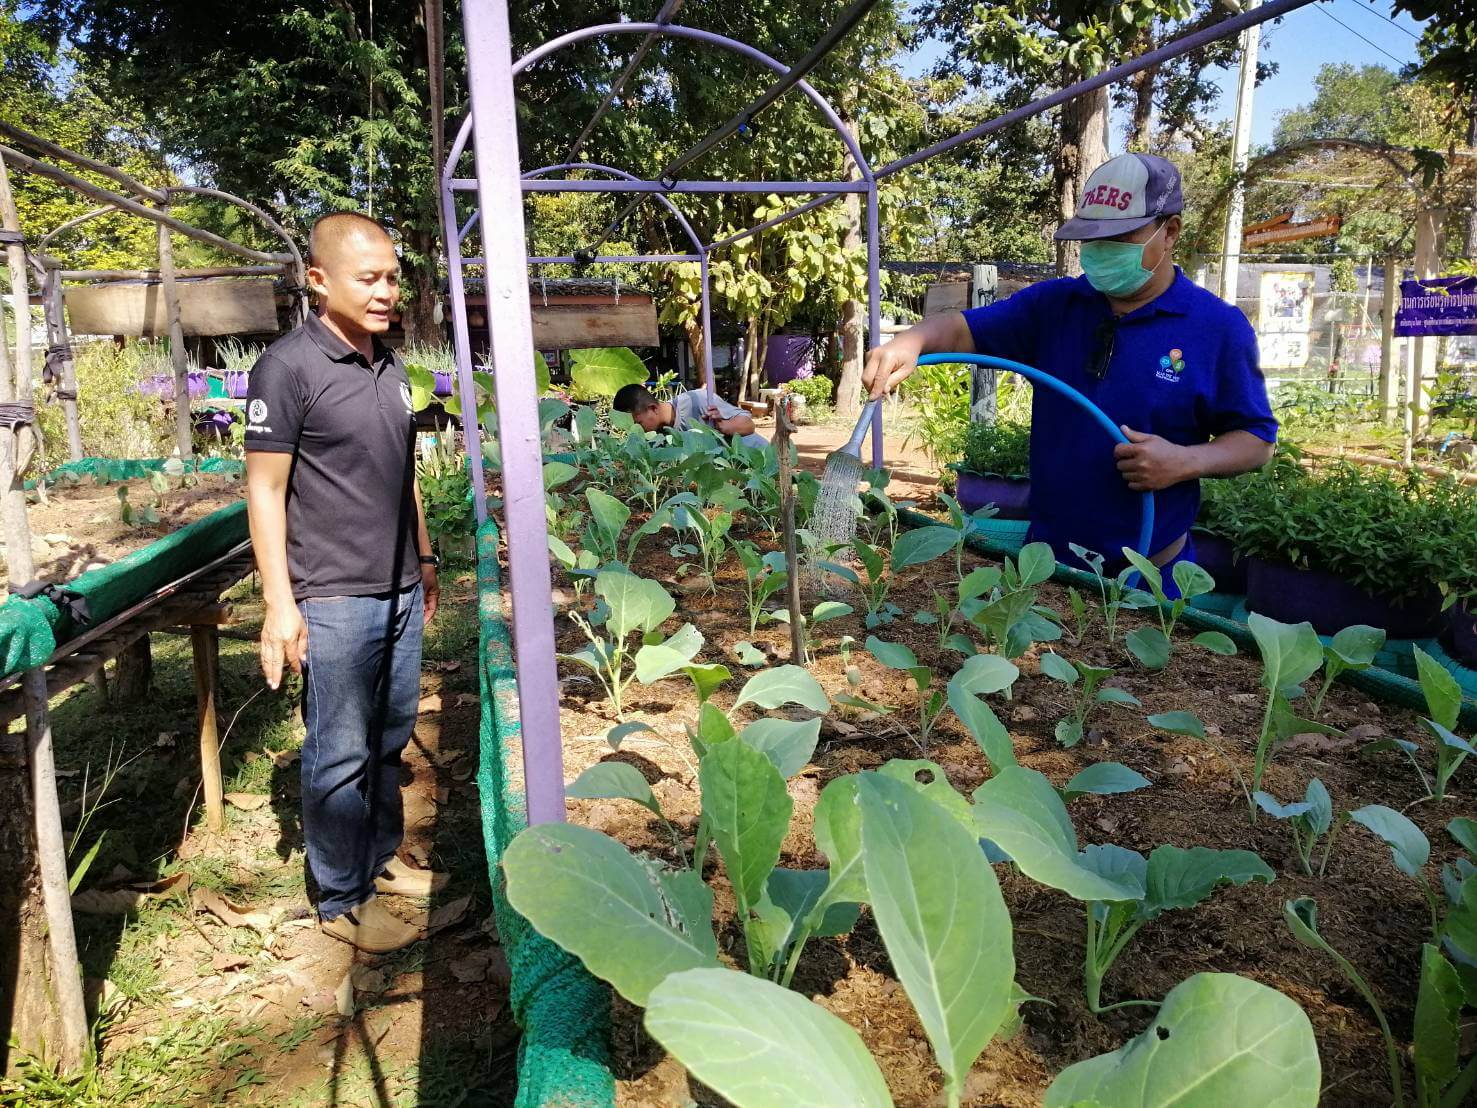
(1439, 306)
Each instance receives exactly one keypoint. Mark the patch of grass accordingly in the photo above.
(460, 1072)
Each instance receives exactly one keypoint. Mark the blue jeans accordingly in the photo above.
(361, 691)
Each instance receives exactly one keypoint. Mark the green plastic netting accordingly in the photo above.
(108, 470)
(30, 630)
(564, 1013)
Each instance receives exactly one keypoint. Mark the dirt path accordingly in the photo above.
(914, 476)
(222, 990)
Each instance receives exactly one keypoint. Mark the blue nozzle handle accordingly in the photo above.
(854, 444)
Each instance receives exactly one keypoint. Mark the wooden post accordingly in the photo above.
(205, 643)
(983, 380)
(56, 330)
(1389, 379)
(134, 672)
(782, 429)
(63, 978)
(1428, 227)
(184, 427)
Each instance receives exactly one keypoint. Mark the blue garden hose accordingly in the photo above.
(1037, 377)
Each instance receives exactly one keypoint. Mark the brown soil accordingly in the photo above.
(78, 527)
(1370, 912)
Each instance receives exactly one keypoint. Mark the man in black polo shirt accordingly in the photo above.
(347, 573)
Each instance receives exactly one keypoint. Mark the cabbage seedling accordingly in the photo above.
(1113, 592)
(1301, 917)
(709, 540)
(895, 655)
(764, 575)
(1310, 819)
(1351, 649)
(1008, 613)
(854, 682)
(1410, 850)
(1022, 815)
(1069, 731)
(823, 612)
(1291, 653)
(1444, 702)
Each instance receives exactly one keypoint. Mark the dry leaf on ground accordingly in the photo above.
(121, 901)
(247, 802)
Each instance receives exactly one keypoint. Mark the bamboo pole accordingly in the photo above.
(63, 977)
(184, 429)
(203, 641)
(56, 330)
(782, 429)
(52, 150)
(105, 275)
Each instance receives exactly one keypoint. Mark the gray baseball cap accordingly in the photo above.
(1124, 194)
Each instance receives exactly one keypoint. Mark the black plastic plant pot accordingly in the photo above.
(1330, 603)
(1461, 634)
(1218, 558)
(1010, 495)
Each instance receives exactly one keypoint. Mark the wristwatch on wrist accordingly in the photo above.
(431, 560)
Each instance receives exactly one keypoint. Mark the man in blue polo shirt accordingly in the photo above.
(1174, 366)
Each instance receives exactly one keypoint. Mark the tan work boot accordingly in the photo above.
(400, 879)
(372, 928)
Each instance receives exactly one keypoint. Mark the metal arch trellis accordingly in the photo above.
(491, 129)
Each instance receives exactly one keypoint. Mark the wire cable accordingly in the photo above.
(1387, 19)
(1398, 61)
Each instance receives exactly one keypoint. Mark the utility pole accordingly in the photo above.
(1251, 39)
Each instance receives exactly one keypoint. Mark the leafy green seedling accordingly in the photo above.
(1310, 819)
(1069, 731)
(1444, 702)
(1103, 779)
(851, 699)
(1190, 726)
(1354, 648)
(1189, 579)
(708, 530)
(1007, 611)
(602, 533)
(881, 569)
(1301, 917)
(1113, 592)
(1022, 815)
(978, 677)
(823, 612)
(960, 523)
(1217, 1039)
(1409, 849)
(631, 604)
(1291, 653)
(764, 575)
(1440, 1078)
(896, 655)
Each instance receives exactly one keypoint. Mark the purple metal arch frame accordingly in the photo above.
(492, 129)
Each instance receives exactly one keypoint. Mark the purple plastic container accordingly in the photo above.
(1010, 495)
(1461, 635)
(1330, 603)
(1217, 557)
(785, 356)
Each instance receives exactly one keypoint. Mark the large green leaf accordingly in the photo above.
(1436, 1034)
(604, 371)
(1443, 694)
(798, 891)
(980, 720)
(613, 781)
(609, 513)
(893, 655)
(942, 919)
(788, 743)
(1407, 842)
(929, 779)
(1219, 1039)
(759, 1045)
(982, 674)
(1192, 580)
(1104, 779)
(613, 911)
(1179, 878)
(1356, 646)
(747, 811)
(1021, 813)
(784, 685)
(1291, 652)
(1053, 665)
(922, 545)
(658, 660)
(1150, 646)
(635, 603)
(1178, 723)
(1036, 563)
(838, 835)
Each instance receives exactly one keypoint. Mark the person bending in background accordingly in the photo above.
(1173, 366)
(685, 410)
(348, 578)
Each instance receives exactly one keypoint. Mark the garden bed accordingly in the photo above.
(81, 526)
(1370, 911)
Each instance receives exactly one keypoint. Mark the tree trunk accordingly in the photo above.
(753, 361)
(418, 318)
(853, 312)
(134, 673)
(693, 330)
(1084, 147)
(1141, 120)
(1469, 236)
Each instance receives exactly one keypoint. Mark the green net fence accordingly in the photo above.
(30, 630)
(107, 470)
(564, 1013)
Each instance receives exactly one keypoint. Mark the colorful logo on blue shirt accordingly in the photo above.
(1171, 365)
